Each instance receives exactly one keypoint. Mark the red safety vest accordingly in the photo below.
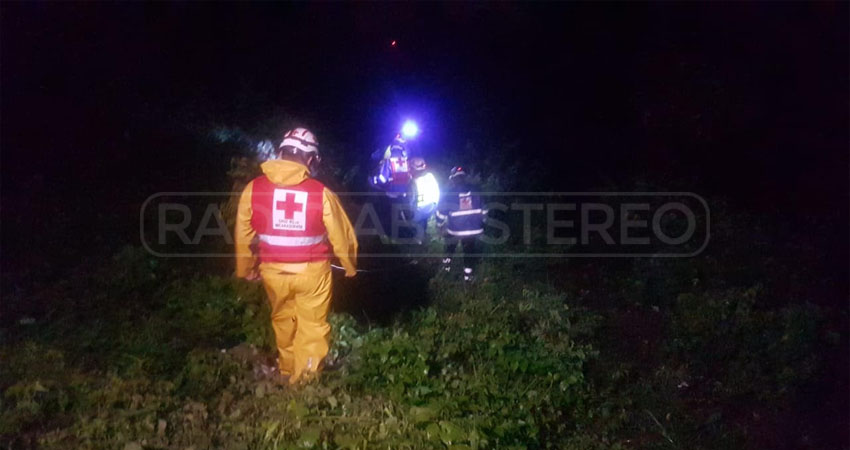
(399, 173)
(288, 221)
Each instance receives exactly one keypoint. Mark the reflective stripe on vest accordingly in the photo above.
(427, 190)
(465, 212)
(291, 241)
(465, 233)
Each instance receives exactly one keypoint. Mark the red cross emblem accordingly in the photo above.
(289, 206)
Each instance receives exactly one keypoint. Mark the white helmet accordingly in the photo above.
(302, 139)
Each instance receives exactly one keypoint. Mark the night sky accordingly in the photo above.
(748, 102)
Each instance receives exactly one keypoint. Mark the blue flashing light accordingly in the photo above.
(410, 129)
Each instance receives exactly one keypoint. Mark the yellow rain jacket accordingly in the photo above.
(299, 293)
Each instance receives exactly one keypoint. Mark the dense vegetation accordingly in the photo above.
(743, 346)
(148, 353)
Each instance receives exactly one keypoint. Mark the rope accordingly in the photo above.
(343, 268)
(334, 266)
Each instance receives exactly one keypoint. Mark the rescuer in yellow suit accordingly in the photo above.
(287, 224)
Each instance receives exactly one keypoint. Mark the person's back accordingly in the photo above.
(424, 197)
(393, 172)
(461, 218)
(296, 222)
(461, 209)
(426, 190)
(399, 169)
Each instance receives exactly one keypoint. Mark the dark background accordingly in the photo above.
(104, 105)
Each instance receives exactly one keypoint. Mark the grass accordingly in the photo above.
(540, 354)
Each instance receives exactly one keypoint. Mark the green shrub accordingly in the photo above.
(137, 361)
(508, 371)
(218, 312)
(741, 349)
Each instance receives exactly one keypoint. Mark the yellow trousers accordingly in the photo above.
(299, 304)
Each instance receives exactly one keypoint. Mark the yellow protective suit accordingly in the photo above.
(299, 293)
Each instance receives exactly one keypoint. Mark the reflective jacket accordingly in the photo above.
(426, 195)
(461, 212)
(288, 221)
(295, 220)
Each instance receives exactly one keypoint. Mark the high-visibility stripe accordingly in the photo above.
(466, 233)
(465, 213)
(427, 190)
(291, 241)
(440, 216)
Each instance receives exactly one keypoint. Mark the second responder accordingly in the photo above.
(461, 217)
(392, 174)
(425, 196)
(392, 178)
(297, 225)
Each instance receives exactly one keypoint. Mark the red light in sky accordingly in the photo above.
(393, 43)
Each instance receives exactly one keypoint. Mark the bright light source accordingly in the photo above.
(393, 43)
(410, 129)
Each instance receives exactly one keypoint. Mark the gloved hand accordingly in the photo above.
(253, 275)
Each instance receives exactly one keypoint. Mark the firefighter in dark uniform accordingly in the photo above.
(461, 218)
